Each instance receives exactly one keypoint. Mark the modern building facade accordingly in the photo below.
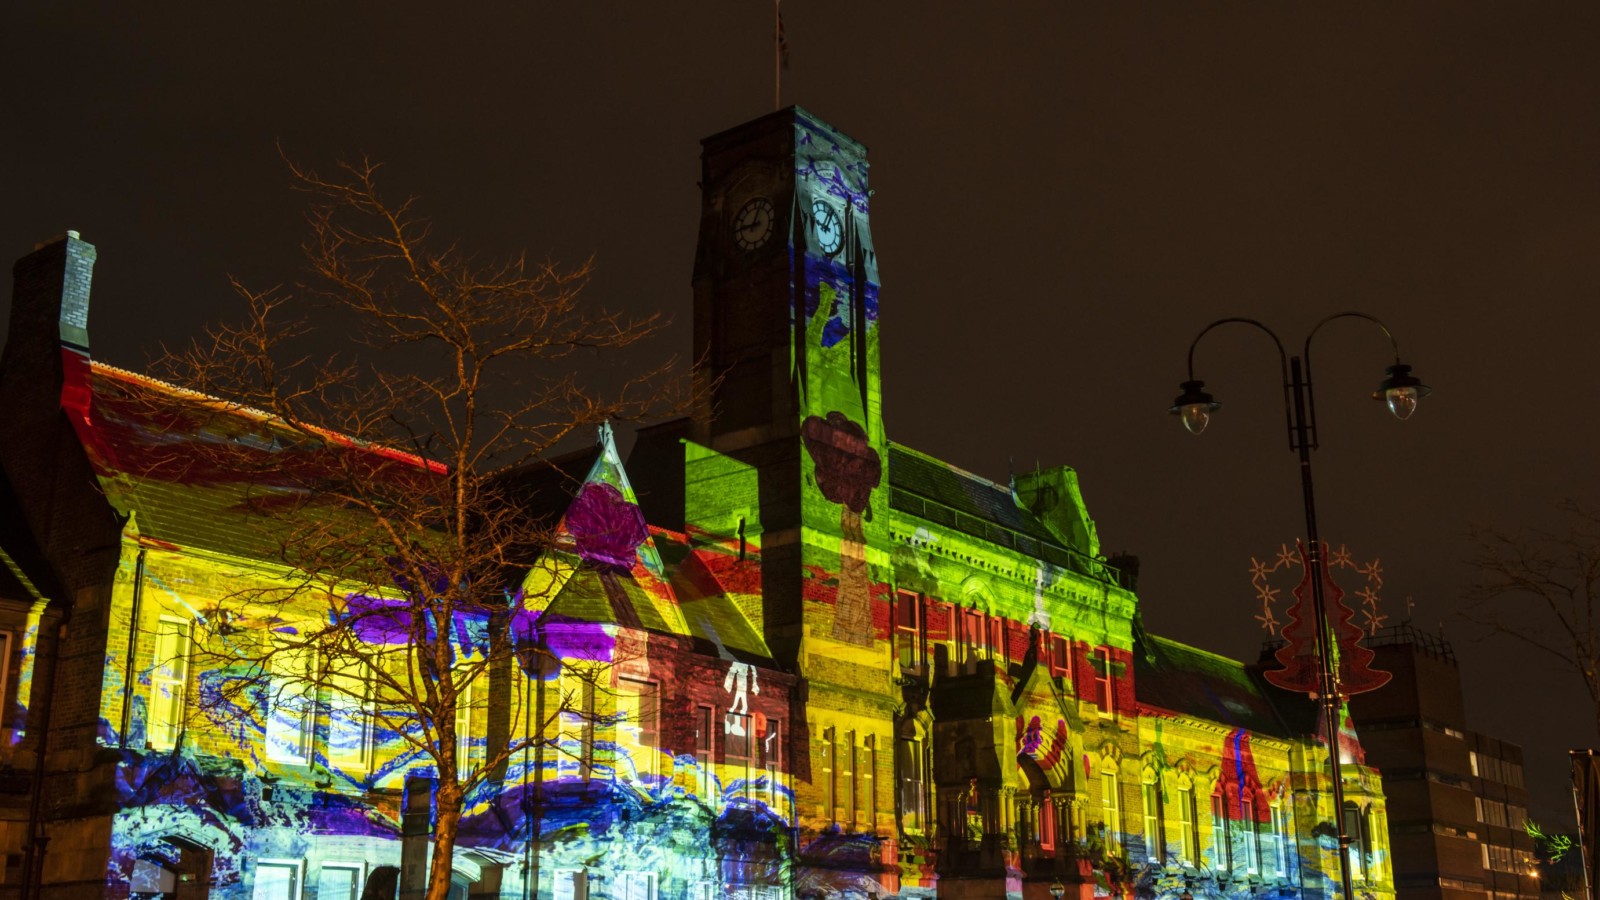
(1456, 798)
(797, 659)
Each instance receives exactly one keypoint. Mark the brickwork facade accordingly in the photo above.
(832, 666)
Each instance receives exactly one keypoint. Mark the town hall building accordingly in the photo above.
(796, 659)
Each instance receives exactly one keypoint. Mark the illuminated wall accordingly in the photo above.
(842, 669)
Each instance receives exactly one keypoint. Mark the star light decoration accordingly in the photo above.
(1286, 559)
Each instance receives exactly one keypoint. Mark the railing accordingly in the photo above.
(1405, 633)
(1051, 552)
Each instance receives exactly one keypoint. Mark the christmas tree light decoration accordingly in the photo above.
(1371, 597)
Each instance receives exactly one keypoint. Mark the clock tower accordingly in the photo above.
(786, 341)
(786, 334)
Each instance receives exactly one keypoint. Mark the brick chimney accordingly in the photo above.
(44, 372)
(49, 315)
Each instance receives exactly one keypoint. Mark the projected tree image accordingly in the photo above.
(847, 470)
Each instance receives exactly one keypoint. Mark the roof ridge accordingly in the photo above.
(267, 418)
(1199, 651)
(894, 445)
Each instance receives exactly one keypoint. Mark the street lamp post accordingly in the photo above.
(1401, 391)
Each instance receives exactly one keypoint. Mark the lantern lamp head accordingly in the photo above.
(1401, 390)
(1194, 406)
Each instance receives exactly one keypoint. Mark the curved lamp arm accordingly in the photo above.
(1194, 420)
(1399, 388)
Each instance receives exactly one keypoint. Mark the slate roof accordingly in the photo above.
(1176, 678)
(192, 469)
(945, 495)
(705, 580)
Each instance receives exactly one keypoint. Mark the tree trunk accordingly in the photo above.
(446, 823)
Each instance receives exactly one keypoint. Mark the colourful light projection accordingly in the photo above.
(919, 683)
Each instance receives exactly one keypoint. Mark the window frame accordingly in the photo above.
(1155, 822)
(912, 785)
(357, 867)
(1060, 653)
(1111, 803)
(1105, 696)
(645, 735)
(341, 704)
(293, 723)
(178, 707)
(911, 639)
(1221, 843)
(1047, 820)
(1280, 838)
(1189, 825)
(297, 867)
(1247, 819)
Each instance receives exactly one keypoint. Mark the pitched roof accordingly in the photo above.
(604, 567)
(1176, 678)
(943, 494)
(196, 471)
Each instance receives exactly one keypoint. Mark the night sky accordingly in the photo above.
(1064, 197)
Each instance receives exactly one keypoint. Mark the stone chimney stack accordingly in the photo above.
(49, 338)
(49, 315)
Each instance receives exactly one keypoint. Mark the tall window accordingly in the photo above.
(576, 743)
(1188, 827)
(909, 630)
(638, 723)
(1221, 853)
(1060, 656)
(1104, 697)
(169, 683)
(1155, 840)
(1355, 827)
(1280, 833)
(349, 719)
(1047, 822)
(849, 772)
(291, 693)
(830, 774)
(998, 651)
(466, 719)
(735, 739)
(971, 634)
(913, 794)
(1110, 804)
(702, 747)
(1247, 823)
(866, 773)
(770, 744)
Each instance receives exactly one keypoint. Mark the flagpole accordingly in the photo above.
(777, 52)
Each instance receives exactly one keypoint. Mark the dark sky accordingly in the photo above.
(1065, 196)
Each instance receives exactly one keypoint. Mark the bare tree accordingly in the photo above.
(375, 473)
(1540, 587)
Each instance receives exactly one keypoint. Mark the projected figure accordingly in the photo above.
(741, 682)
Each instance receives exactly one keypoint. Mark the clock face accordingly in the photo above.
(752, 227)
(830, 232)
